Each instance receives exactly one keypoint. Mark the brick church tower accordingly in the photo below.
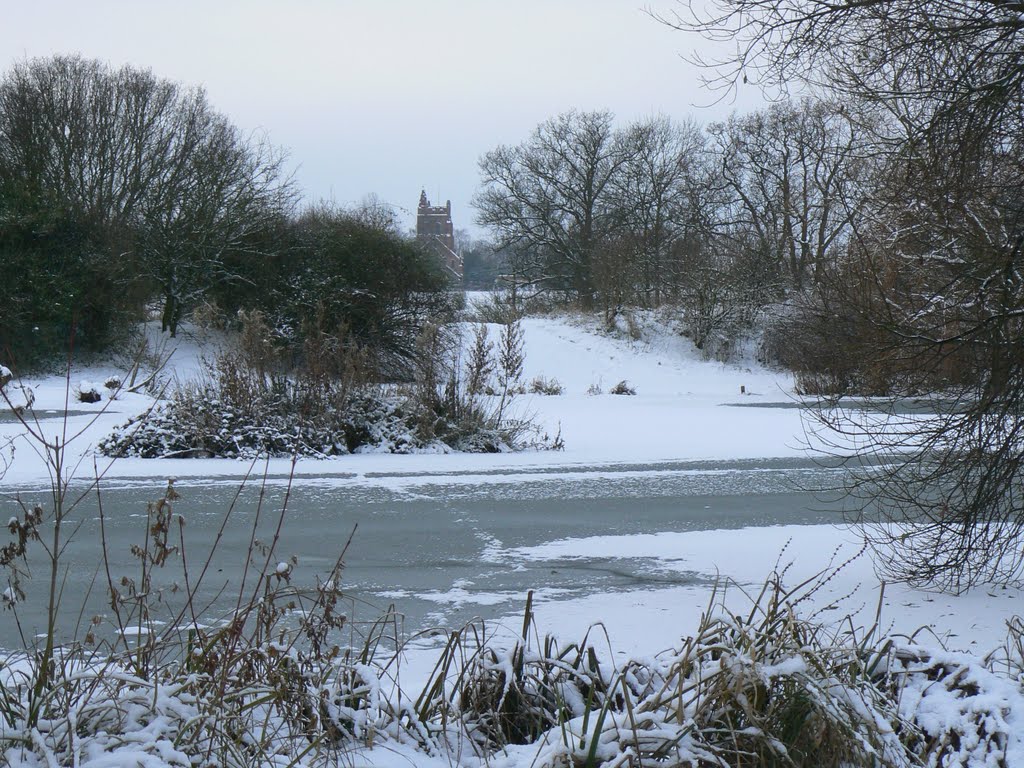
(434, 225)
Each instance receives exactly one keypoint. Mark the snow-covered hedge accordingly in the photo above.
(200, 423)
(188, 427)
(205, 428)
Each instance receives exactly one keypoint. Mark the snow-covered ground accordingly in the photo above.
(685, 409)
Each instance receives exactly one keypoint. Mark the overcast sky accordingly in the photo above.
(387, 96)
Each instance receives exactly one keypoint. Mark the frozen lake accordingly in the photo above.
(441, 548)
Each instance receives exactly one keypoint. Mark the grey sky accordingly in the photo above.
(386, 96)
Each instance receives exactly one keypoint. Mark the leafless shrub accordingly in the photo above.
(499, 308)
(510, 364)
(208, 316)
(462, 413)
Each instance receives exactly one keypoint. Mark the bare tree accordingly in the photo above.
(936, 281)
(80, 145)
(147, 162)
(796, 177)
(219, 193)
(662, 191)
(551, 196)
(934, 266)
(950, 56)
(79, 135)
(376, 214)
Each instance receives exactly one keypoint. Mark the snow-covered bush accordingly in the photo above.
(243, 408)
(764, 686)
(963, 714)
(88, 392)
(199, 421)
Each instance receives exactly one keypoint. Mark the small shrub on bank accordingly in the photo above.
(624, 322)
(508, 306)
(468, 408)
(622, 388)
(497, 308)
(479, 366)
(87, 392)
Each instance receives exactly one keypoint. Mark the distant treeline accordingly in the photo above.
(847, 236)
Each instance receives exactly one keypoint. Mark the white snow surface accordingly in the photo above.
(974, 621)
(680, 412)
